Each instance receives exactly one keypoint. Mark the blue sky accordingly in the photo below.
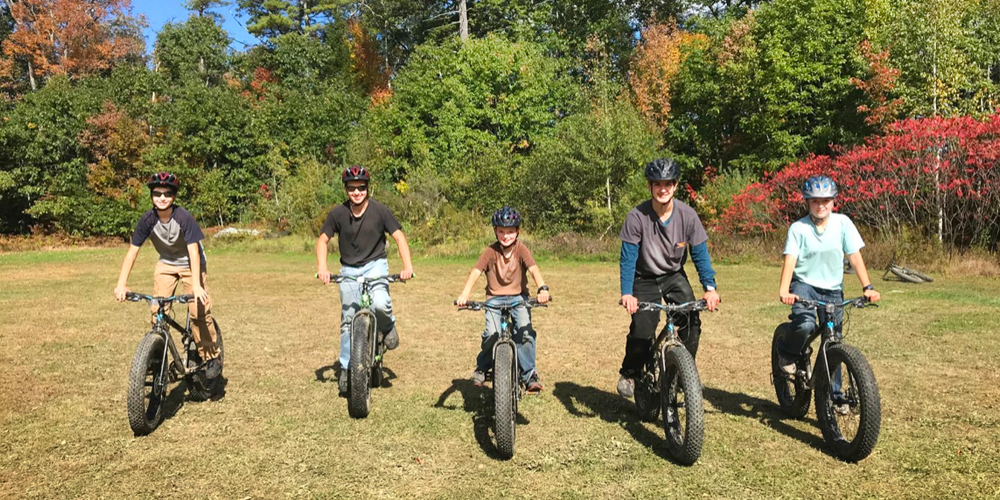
(159, 12)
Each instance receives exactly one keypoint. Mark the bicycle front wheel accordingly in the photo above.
(681, 401)
(905, 275)
(504, 399)
(360, 395)
(146, 390)
(793, 392)
(850, 421)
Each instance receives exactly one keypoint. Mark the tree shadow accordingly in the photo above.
(764, 411)
(477, 401)
(590, 402)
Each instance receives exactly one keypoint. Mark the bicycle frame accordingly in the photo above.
(668, 337)
(162, 327)
(828, 311)
(505, 336)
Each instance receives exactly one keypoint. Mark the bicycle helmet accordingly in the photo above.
(663, 169)
(819, 186)
(506, 217)
(355, 173)
(164, 179)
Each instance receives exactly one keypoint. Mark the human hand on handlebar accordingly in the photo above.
(787, 298)
(712, 299)
(630, 303)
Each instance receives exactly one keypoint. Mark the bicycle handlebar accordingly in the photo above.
(479, 306)
(697, 305)
(136, 297)
(859, 302)
(391, 278)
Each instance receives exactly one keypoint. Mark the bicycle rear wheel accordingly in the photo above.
(360, 393)
(201, 388)
(905, 275)
(851, 424)
(793, 393)
(504, 399)
(919, 274)
(146, 392)
(681, 399)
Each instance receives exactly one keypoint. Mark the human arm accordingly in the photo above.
(121, 288)
(536, 274)
(859, 265)
(469, 283)
(194, 257)
(787, 268)
(404, 254)
(703, 264)
(321, 251)
(626, 264)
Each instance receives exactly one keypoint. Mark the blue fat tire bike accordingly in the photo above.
(367, 347)
(850, 421)
(157, 363)
(507, 387)
(670, 384)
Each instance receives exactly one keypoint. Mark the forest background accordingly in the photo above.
(552, 106)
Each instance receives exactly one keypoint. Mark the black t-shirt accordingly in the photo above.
(361, 239)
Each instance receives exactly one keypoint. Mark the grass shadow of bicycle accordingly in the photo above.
(331, 373)
(589, 402)
(766, 412)
(477, 401)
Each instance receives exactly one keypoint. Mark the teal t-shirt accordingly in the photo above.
(820, 257)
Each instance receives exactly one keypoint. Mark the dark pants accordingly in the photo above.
(675, 289)
(804, 323)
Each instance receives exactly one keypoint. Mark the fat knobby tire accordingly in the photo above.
(869, 404)
(504, 400)
(905, 275)
(684, 435)
(793, 397)
(145, 411)
(201, 388)
(647, 399)
(360, 394)
(919, 275)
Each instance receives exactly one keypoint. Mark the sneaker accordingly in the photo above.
(626, 387)
(786, 364)
(533, 385)
(213, 368)
(342, 384)
(391, 339)
(478, 378)
(842, 410)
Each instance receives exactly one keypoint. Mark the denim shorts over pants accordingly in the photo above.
(350, 303)
(524, 335)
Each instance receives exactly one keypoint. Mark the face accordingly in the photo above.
(357, 191)
(163, 197)
(820, 208)
(662, 191)
(506, 235)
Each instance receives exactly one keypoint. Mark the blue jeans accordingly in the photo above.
(350, 303)
(524, 335)
(804, 322)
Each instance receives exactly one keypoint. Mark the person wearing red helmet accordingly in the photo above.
(361, 224)
(507, 262)
(177, 238)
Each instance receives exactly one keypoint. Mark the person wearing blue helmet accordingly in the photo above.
(813, 266)
(507, 262)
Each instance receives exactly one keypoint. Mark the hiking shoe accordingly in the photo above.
(391, 339)
(842, 410)
(786, 364)
(533, 385)
(626, 387)
(343, 385)
(478, 378)
(213, 368)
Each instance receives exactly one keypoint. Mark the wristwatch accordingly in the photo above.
(867, 287)
(543, 287)
(709, 288)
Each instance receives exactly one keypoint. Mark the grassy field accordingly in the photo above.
(281, 432)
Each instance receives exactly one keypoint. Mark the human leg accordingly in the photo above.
(350, 304)
(676, 289)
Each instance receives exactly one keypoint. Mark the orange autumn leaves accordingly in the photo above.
(655, 64)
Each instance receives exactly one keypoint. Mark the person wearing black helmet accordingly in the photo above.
(657, 237)
(177, 238)
(813, 265)
(361, 224)
(507, 263)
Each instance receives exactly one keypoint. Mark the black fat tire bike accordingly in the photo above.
(670, 385)
(851, 421)
(507, 387)
(153, 369)
(367, 347)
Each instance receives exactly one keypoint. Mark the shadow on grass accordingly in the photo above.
(765, 412)
(589, 402)
(477, 401)
(331, 373)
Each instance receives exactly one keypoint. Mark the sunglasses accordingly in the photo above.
(163, 194)
(360, 189)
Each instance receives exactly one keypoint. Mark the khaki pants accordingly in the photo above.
(165, 278)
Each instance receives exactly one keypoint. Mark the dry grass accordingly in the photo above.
(280, 432)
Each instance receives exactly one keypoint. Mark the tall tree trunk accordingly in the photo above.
(463, 20)
(31, 76)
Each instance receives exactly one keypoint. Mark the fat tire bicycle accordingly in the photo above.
(905, 274)
(158, 362)
(367, 347)
(507, 386)
(851, 421)
(670, 384)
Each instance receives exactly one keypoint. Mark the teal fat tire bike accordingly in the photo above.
(367, 347)
(158, 362)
